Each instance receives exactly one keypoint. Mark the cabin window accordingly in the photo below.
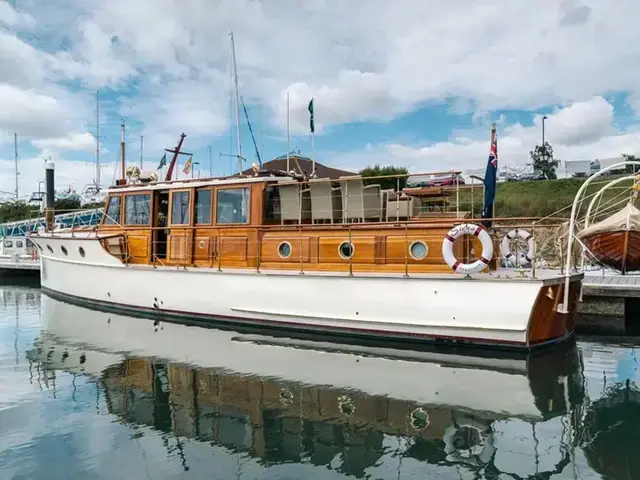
(8, 244)
(29, 243)
(203, 206)
(180, 208)
(272, 203)
(232, 205)
(136, 209)
(112, 216)
(19, 244)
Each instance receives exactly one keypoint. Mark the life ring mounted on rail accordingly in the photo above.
(521, 259)
(457, 232)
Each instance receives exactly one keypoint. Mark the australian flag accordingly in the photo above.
(490, 179)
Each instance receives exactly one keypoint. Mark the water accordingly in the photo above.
(90, 395)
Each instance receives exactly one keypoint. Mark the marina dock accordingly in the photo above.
(610, 301)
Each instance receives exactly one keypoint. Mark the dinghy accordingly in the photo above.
(615, 241)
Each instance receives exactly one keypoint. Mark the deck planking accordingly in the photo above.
(621, 286)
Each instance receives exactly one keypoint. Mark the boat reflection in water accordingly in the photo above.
(356, 410)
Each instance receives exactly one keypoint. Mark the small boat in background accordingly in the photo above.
(615, 241)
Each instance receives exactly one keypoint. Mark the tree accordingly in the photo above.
(543, 161)
(631, 158)
(66, 205)
(385, 183)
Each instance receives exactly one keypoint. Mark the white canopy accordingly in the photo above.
(626, 219)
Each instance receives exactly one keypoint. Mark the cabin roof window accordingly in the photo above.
(180, 208)
(137, 209)
(203, 206)
(232, 205)
(112, 217)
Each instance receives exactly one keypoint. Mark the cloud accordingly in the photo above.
(84, 142)
(68, 173)
(580, 131)
(169, 66)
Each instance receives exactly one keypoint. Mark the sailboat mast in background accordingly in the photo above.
(97, 179)
(235, 81)
(15, 146)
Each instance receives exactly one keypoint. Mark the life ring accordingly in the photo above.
(476, 455)
(457, 232)
(505, 250)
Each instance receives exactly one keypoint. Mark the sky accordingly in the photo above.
(409, 83)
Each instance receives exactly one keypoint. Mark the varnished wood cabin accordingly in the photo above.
(266, 222)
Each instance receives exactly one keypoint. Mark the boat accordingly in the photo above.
(615, 241)
(284, 249)
(275, 249)
(250, 385)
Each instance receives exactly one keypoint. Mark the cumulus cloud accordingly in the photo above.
(169, 66)
(580, 131)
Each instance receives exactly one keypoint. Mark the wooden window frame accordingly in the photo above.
(212, 205)
(106, 211)
(233, 187)
(124, 209)
(191, 208)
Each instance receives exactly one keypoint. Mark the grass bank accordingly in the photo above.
(542, 198)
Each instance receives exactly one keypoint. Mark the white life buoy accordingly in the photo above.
(505, 250)
(467, 229)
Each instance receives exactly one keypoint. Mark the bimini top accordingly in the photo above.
(627, 219)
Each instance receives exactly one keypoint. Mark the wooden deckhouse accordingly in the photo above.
(270, 220)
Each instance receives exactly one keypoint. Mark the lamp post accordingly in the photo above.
(193, 168)
(543, 119)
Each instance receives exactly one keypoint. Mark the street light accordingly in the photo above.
(543, 119)
(193, 168)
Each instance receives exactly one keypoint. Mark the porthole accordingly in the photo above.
(81, 252)
(418, 250)
(284, 250)
(49, 248)
(64, 250)
(346, 250)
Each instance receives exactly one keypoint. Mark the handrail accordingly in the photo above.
(572, 223)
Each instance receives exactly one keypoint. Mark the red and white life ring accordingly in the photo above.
(457, 232)
(522, 259)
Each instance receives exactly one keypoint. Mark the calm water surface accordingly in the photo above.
(90, 395)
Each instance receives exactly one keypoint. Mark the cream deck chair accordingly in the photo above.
(360, 202)
(295, 205)
(326, 202)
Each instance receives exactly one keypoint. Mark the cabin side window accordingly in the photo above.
(272, 203)
(112, 217)
(232, 205)
(180, 208)
(137, 209)
(203, 206)
(8, 244)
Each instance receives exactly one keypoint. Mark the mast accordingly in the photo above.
(97, 180)
(15, 146)
(210, 163)
(122, 150)
(235, 81)
(288, 147)
(141, 150)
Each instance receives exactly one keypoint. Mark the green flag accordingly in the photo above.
(163, 162)
(311, 125)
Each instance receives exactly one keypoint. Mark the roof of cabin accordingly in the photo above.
(306, 164)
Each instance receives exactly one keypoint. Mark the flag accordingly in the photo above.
(187, 166)
(311, 124)
(490, 179)
(163, 162)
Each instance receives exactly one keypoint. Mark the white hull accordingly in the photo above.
(482, 310)
(457, 381)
